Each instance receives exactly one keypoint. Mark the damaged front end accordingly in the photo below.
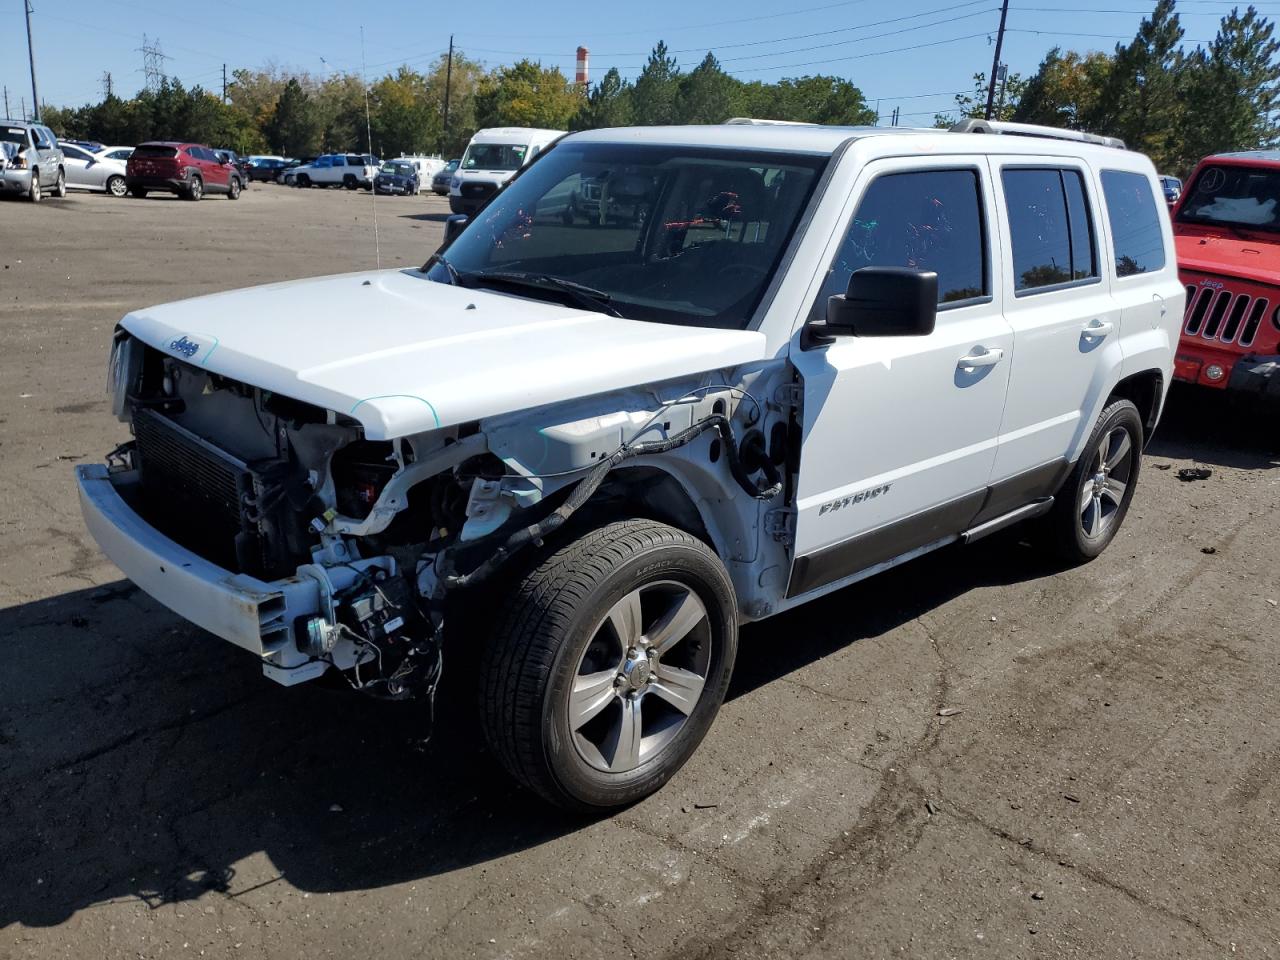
(281, 527)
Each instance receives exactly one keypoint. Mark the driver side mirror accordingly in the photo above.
(454, 224)
(879, 302)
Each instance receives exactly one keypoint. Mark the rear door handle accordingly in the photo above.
(987, 358)
(1098, 328)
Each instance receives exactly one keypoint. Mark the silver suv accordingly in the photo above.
(30, 160)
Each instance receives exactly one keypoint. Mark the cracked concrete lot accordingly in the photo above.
(977, 755)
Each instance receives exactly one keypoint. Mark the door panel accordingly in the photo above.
(1058, 303)
(899, 433)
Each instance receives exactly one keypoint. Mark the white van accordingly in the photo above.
(493, 156)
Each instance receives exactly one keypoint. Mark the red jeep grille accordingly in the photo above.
(1218, 315)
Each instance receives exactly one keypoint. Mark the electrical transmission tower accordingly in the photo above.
(107, 88)
(153, 59)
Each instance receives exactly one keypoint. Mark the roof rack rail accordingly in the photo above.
(753, 121)
(1033, 130)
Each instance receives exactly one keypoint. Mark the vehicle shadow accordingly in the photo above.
(1210, 427)
(145, 761)
(428, 217)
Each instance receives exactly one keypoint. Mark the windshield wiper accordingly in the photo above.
(454, 276)
(588, 297)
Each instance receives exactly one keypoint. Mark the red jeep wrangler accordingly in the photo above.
(1227, 230)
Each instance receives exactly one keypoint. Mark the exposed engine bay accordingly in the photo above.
(371, 539)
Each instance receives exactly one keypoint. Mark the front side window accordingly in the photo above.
(1135, 223)
(494, 156)
(928, 220)
(670, 234)
(1050, 226)
(1230, 196)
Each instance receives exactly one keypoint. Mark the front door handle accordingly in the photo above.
(989, 357)
(1098, 328)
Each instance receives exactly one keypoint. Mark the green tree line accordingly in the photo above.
(300, 114)
(1173, 104)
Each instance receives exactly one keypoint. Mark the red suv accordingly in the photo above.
(1227, 229)
(188, 169)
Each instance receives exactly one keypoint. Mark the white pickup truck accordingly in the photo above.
(593, 450)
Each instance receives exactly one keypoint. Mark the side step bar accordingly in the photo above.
(1036, 508)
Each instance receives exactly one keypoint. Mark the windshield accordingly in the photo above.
(494, 156)
(1247, 197)
(663, 233)
(397, 169)
(13, 135)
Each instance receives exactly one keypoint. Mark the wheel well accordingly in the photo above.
(1145, 390)
(653, 494)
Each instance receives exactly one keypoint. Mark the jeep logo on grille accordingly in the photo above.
(188, 348)
(1212, 284)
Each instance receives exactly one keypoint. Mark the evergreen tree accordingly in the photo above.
(657, 89)
(706, 94)
(608, 104)
(1232, 90)
(1140, 102)
(294, 128)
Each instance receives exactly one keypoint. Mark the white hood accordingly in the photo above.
(403, 354)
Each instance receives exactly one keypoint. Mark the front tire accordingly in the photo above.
(35, 192)
(1094, 499)
(116, 186)
(609, 664)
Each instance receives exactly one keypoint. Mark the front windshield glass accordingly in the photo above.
(494, 156)
(398, 169)
(1240, 197)
(663, 233)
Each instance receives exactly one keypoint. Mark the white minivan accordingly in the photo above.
(493, 156)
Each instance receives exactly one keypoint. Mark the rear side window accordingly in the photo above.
(1135, 223)
(929, 220)
(354, 162)
(1050, 226)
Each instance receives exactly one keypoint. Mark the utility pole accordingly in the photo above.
(31, 55)
(448, 86)
(995, 63)
(6, 101)
(224, 83)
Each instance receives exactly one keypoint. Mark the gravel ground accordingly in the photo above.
(976, 755)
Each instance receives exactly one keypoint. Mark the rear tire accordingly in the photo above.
(349, 182)
(608, 664)
(116, 187)
(233, 189)
(195, 190)
(1094, 499)
(60, 185)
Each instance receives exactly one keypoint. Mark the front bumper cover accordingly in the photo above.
(1256, 376)
(254, 614)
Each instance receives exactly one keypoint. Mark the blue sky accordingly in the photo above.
(912, 54)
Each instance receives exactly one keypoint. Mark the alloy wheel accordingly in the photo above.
(640, 677)
(1105, 485)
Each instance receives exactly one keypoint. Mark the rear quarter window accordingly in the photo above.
(1134, 216)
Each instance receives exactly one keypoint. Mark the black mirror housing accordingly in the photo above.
(454, 225)
(881, 302)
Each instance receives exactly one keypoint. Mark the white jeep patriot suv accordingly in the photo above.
(590, 452)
